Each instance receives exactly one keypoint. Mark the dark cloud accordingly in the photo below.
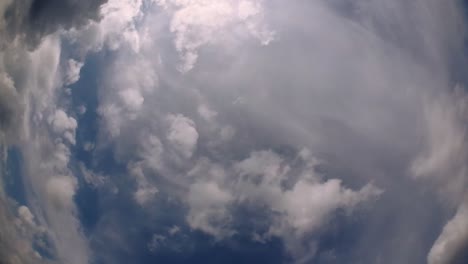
(32, 19)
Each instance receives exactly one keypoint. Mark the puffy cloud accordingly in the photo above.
(206, 113)
(116, 28)
(123, 95)
(145, 194)
(208, 209)
(182, 134)
(72, 74)
(307, 205)
(16, 240)
(60, 191)
(64, 125)
(145, 190)
(198, 23)
(26, 215)
(298, 203)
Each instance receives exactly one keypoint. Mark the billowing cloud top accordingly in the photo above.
(221, 131)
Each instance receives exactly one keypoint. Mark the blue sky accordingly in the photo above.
(233, 131)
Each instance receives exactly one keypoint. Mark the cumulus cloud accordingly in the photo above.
(298, 203)
(72, 74)
(198, 23)
(60, 191)
(208, 209)
(182, 134)
(116, 28)
(17, 240)
(64, 125)
(145, 190)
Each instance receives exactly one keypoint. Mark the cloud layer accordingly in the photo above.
(312, 123)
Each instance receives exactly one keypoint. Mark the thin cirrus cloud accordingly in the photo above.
(315, 123)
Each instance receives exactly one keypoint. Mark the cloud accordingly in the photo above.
(145, 192)
(26, 215)
(208, 211)
(73, 72)
(32, 86)
(30, 60)
(296, 202)
(182, 134)
(302, 112)
(60, 191)
(116, 28)
(33, 19)
(198, 23)
(448, 248)
(64, 125)
(29, 76)
(16, 240)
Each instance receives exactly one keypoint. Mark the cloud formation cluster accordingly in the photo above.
(32, 120)
(260, 119)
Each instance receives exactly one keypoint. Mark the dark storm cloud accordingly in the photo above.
(32, 19)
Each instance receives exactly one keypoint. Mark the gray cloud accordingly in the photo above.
(30, 75)
(32, 19)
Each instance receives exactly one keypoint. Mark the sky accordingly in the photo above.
(233, 131)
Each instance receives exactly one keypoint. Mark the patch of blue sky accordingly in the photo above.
(13, 180)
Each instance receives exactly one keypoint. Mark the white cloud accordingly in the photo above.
(60, 191)
(145, 192)
(115, 29)
(452, 241)
(206, 113)
(26, 215)
(88, 146)
(131, 98)
(64, 125)
(198, 23)
(308, 205)
(92, 178)
(182, 134)
(174, 230)
(292, 213)
(123, 94)
(446, 150)
(208, 209)
(72, 73)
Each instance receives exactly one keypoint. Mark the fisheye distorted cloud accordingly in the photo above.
(142, 131)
